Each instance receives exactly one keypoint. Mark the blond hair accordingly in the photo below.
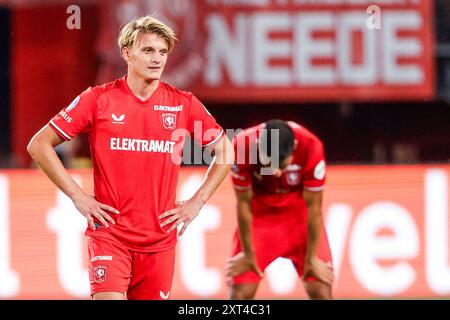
(129, 34)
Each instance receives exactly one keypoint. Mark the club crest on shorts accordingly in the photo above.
(169, 120)
(100, 274)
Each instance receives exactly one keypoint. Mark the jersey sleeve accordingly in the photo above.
(240, 173)
(314, 174)
(202, 125)
(77, 117)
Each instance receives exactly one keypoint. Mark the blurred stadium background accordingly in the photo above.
(378, 97)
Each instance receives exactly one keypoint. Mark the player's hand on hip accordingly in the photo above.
(241, 263)
(317, 268)
(91, 208)
(184, 213)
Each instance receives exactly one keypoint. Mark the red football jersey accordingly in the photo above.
(136, 149)
(270, 193)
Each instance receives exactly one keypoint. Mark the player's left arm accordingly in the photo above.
(314, 267)
(313, 202)
(223, 152)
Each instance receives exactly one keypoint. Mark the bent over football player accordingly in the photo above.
(278, 178)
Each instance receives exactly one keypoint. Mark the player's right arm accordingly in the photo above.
(246, 259)
(41, 149)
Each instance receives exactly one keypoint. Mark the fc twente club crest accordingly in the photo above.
(169, 121)
(100, 274)
(292, 178)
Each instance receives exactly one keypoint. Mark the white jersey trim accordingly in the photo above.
(60, 131)
(315, 189)
(215, 140)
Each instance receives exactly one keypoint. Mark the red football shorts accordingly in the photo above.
(280, 235)
(138, 275)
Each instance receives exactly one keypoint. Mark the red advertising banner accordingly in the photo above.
(388, 228)
(291, 50)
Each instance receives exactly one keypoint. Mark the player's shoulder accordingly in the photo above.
(106, 88)
(175, 91)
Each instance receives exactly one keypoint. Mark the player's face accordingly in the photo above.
(147, 58)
